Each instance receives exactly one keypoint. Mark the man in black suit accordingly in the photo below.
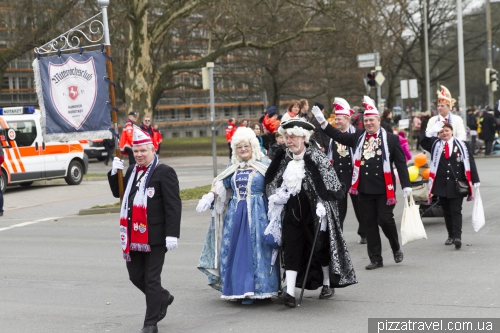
(150, 220)
(342, 158)
(373, 179)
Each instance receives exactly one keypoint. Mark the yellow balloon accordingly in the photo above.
(413, 173)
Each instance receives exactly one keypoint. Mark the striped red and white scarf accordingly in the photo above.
(437, 153)
(139, 237)
(389, 186)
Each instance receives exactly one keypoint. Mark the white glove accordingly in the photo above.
(318, 114)
(435, 129)
(320, 210)
(323, 224)
(476, 185)
(205, 202)
(406, 191)
(116, 165)
(280, 197)
(171, 243)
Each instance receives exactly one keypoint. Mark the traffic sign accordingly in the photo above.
(366, 64)
(413, 88)
(379, 78)
(366, 57)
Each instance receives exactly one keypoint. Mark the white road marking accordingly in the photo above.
(28, 223)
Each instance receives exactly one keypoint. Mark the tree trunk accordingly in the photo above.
(139, 79)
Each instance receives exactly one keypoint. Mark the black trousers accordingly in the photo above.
(377, 213)
(488, 147)
(131, 159)
(230, 151)
(473, 143)
(298, 235)
(452, 211)
(144, 271)
(343, 212)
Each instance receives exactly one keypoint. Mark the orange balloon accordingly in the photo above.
(420, 160)
(426, 173)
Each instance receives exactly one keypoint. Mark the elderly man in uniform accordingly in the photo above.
(375, 151)
(445, 103)
(150, 218)
(342, 158)
(305, 192)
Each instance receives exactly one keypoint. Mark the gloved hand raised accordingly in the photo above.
(116, 165)
(435, 129)
(318, 114)
(171, 243)
(407, 191)
(205, 202)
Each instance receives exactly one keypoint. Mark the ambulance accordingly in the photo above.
(27, 157)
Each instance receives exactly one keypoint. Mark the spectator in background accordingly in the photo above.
(279, 143)
(319, 136)
(257, 129)
(108, 144)
(270, 124)
(357, 120)
(127, 136)
(417, 123)
(387, 121)
(230, 129)
(304, 108)
(472, 124)
(244, 123)
(292, 111)
(158, 138)
(404, 145)
(488, 128)
(146, 126)
(445, 103)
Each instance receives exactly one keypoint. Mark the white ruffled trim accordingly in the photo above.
(250, 295)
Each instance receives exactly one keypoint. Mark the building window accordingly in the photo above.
(227, 111)
(174, 115)
(202, 113)
(253, 111)
(241, 113)
(203, 133)
(175, 134)
(159, 115)
(189, 134)
(187, 113)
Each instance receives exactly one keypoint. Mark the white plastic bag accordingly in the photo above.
(477, 212)
(412, 228)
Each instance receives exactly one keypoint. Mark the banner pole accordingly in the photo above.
(112, 98)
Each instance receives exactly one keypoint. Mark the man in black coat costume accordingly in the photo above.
(303, 190)
(373, 179)
(342, 158)
(150, 218)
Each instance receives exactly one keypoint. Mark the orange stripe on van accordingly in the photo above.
(12, 165)
(18, 156)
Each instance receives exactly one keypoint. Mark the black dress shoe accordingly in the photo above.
(286, 299)
(326, 292)
(362, 240)
(458, 243)
(149, 329)
(164, 306)
(449, 241)
(374, 265)
(398, 256)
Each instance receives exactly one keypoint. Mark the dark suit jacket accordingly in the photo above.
(319, 136)
(371, 178)
(164, 208)
(342, 165)
(444, 183)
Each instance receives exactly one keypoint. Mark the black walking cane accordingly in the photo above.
(309, 263)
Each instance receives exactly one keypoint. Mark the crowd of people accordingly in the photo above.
(279, 208)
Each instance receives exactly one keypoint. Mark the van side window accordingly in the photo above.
(25, 132)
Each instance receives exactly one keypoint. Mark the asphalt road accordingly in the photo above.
(60, 272)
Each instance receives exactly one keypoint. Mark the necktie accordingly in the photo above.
(446, 150)
(141, 168)
(374, 135)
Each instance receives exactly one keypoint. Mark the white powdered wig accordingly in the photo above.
(297, 131)
(246, 135)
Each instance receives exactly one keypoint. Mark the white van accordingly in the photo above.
(27, 157)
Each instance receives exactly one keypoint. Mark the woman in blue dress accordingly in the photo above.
(235, 257)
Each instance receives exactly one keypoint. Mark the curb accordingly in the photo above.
(115, 210)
